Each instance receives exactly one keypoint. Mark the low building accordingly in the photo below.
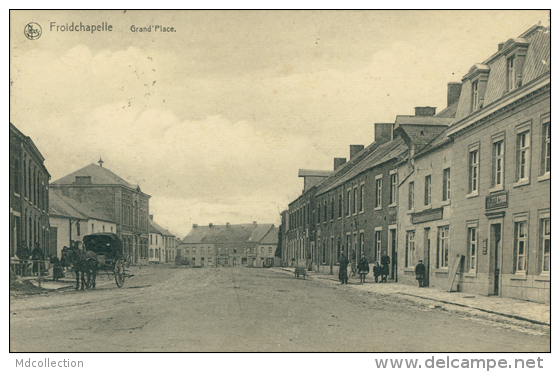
(71, 220)
(228, 245)
(162, 244)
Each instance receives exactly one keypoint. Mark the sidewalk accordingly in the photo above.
(533, 312)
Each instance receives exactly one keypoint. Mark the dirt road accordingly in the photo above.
(228, 309)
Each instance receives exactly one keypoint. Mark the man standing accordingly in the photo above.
(385, 261)
(420, 272)
(343, 268)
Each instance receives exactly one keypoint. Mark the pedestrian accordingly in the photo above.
(57, 268)
(363, 268)
(343, 268)
(420, 272)
(385, 261)
(37, 257)
(377, 269)
(23, 254)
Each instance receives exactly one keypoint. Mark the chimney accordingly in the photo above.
(338, 162)
(194, 225)
(383, 132)
(151, 217)
(210, 225)
(453, 92)
(83, 180)
(354, 150)
(254, 223)
(227, 224)
(424, 111)
(500, 46)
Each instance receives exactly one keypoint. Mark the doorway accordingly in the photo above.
(393, 253)
(427, 256)
(495, 249)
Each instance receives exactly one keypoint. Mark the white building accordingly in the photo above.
(162, 244)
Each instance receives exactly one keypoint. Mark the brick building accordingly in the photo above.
(229, 245)
(120, 201)
(501, 172)
(29, 194)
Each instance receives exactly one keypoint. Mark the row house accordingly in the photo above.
(501, 172)
(71, 220)
(123, 203)
(29, 195)
(240, 245)
(466, 190)
(162, 244)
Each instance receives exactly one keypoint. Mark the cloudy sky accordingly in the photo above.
(214, 120)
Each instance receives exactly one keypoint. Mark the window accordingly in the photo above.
(361, 244)
(498, 163)
(378, 192)
(194, 250)
(511, 73)
(523, 155)
(545, 245)
(443, 247)
(324, 251)
(269, 250)
(348, 244)
(355, 205)
(362, 194)
(411, 195)
(473, 171)
(409, 252)
(393, 195)
(78, 228)
(472, 248)
(339, 205)
(428, 190)
(186, 251)
(546, 146)
(446, 184)
(378, 245)
(319, 212)
(262, 250)
(332, 208)
(325, 210)
(474, 96)
(349, 201)
(520, 248)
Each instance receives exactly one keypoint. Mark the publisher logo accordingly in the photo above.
(32, 31)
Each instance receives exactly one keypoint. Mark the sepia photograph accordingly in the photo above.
(281, 181)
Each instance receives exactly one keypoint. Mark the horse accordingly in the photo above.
(84, 262)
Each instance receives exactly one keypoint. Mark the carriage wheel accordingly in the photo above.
(119, 273)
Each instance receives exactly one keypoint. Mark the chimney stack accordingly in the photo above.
(354, 150)
(194, 225)
(453, 92)
(210, 225)
(151, 217)
(424, 111)
(500, 46)
(383, 132)
(254, 223)
(338, 162)
(227, 224)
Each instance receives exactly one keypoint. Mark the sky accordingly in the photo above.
(215, 119)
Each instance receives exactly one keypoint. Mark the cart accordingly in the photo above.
(110, 257)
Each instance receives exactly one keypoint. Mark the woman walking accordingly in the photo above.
(363, 268)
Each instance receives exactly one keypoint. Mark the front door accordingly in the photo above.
(427, 256)
(393, 250)
(495, 244)
(202, 262)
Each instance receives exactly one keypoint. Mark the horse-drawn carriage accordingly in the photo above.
(103, 252)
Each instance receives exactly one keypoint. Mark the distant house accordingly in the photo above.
(29, 194)
(162, 244)
(71, 220)
(120, 201)
(230, 245)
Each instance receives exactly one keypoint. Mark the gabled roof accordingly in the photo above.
(99, 176)
(271, 237)
(385, 152)
(62, 206)
(31, 145)
(227, 234)
(157, 229)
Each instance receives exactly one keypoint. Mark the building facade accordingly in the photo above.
(229, 245)
(29, 195)
(162, 244)
(501, 153)
(120, 201)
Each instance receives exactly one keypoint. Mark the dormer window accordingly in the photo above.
(474, 100)
(511, 74)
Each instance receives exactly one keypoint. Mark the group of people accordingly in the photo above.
(380, 269)
(36, 256)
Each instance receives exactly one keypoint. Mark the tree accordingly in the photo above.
(278, 252)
